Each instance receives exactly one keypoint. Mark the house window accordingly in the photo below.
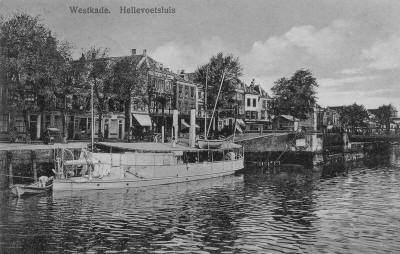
(186, 91)
(58, 122)
(186, 109)
(47, 121)
(168, 105)
(68, 101)
(114, 126)
(254, 102)
(264, 104)
(4, 123)
(192, 92)
(263, 114)
(248, 114)
(89, 125)
(13, 96)
(59, 102)
(20, 124)
(180, 91)
(83, 124)
(29, 96)
(248, 102)
(169, 86)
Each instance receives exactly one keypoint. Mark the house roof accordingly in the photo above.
(256, 90)
(139, 60)
(250, 90)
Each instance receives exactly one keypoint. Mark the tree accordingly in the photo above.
(213, 72)
(383, 115)
(64, 88)
(32, 62)
(295, 96)
(97, 72)
(128, 82)
(353, 116)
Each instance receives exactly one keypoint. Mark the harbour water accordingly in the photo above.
(337, 208)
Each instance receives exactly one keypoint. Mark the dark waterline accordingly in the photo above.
(352, 208)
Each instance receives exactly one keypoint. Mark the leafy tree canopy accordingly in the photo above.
(213, 71)
(353, 115)
(97, 72)
(295, 96)
(383, 115)
(128, 79)
(33, 58)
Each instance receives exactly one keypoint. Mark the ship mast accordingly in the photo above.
(216, 101)
(92, 115)
(205, 106)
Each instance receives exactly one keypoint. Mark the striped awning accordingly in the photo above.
(240, 122)
(142, 119)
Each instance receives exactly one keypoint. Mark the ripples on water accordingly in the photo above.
(356, 211)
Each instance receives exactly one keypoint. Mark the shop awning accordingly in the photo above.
(240, 122)
(143, 119)
(186, 125)
(237, 127)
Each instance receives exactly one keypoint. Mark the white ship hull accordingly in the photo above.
(152, 175)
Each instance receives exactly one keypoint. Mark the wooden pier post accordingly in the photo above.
(34, 168)
(10, 168)
(3, 170)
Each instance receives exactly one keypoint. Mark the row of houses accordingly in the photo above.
(71, 114)
(325, 119)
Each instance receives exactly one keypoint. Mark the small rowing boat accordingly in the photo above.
(29, 189)
(210, 144)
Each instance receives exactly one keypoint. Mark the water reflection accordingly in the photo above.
(395, 155)
(293, 210)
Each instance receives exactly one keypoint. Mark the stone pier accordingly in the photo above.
(24, 163)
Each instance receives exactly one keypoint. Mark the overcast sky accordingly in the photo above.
(352, 47)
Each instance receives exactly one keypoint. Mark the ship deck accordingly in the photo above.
(161, 147)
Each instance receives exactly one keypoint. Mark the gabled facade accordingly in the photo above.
(251, 106)
(256, 106)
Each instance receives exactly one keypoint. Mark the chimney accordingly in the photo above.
(133, 52)
(144, 52)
